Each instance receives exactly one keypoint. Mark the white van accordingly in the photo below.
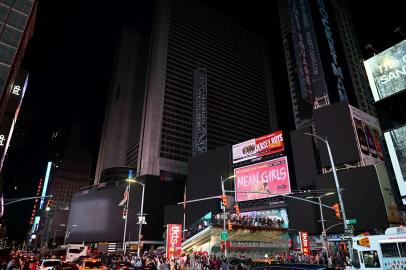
(386, 251)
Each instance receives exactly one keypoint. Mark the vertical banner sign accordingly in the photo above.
(304, 240)
(173, 240)
(307, 54)
(336, 71)
(199, 123)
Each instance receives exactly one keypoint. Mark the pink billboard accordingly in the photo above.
(262, 180)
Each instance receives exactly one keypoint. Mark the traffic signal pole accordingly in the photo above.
(224, 215)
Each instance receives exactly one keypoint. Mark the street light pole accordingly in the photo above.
(67, 231)
(346, 228)
(322, 216)
(322, 225)
(126, 218)
(140, 220)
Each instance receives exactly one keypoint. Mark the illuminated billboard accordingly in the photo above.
(275, 217)
(396, 142)
(387, 71)
(262, 180)
(368, 133)
(173, 240)
(258, 147)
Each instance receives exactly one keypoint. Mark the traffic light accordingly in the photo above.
(237, 209)
(224, 199)
(229, 225)
(124, 213)
(49, 205)
(337, 210)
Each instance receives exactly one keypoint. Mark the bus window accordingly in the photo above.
(355, 259)
(371, 259)
(390, 250)
(402, 248)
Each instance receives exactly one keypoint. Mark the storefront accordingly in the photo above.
(247, 241)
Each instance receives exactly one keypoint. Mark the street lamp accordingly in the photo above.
(140, 219)
(321, 216)
(224, 207)
(67, 231)
(346, 228)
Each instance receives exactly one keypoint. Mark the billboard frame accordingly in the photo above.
(265, 195)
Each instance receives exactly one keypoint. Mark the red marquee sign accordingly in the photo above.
(173, 240)
(304, 239)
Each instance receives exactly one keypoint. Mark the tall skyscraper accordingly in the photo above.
(17, 20)
(69, 171)
(197, 56)
(323, 57)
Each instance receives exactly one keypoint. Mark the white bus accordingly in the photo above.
(386, 251)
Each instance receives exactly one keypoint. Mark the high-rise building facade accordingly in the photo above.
(16, 27)
(323, 57)
(17, 20)
(187, 37)
(69, 171)
(233, 78)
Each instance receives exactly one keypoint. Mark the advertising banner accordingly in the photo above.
(304, 240)
(262, 146)
(311, 77)
(278, 217)
(388, 198)
(386, 71)
(173, 240)
(267, 178)
(368, 132)
(396, 142)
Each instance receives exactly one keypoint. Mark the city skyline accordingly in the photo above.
(71, 62)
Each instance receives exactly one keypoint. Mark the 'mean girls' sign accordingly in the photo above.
(262, 180)
(258, 147)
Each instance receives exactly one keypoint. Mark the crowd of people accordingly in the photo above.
(194, 261)
(16, 261)
(245, 220)
(240, 220)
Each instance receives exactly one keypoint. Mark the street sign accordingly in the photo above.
(141, 220)
(351, 221)
(224, 235)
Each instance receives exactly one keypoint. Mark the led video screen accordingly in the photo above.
(386, 71)
(396, 142)
(262, 180)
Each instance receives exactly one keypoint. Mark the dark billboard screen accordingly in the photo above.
(98, 217)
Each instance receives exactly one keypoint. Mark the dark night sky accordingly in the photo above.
(71, 55)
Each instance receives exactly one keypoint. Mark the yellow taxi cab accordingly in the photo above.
(265, 259)
(91, 264)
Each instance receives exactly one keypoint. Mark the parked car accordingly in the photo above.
(48, 264)
(66, 266)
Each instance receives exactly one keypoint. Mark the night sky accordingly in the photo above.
(70, 59)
